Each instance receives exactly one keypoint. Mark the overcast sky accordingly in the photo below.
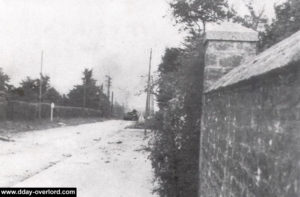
(111, 36)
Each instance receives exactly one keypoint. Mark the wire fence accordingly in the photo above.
(19, 110)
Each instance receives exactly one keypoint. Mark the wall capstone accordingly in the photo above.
(227, 46)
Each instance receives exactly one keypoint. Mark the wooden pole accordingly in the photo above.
(41, 86)
(108, 86)
(52, 109)
(151, 98)
(112, 104)
(84, 93)
(147, 111)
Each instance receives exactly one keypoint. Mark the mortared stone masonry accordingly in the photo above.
(227, 46)
(250, 135)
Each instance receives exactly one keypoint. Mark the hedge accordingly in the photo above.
(19, 110)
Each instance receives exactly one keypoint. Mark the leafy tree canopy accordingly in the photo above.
(88, 94)
(254, 20)
(29, 91)
(4, 79)
(168, 76)
(194, 14)
(286, 22)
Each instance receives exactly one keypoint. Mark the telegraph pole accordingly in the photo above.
(41, 84)
(152, 99)
(108, 78)
(112, 104)
(84, 92)
(147, 111)
(101, 88)
(108, 86)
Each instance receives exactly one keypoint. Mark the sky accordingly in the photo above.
(113, 37)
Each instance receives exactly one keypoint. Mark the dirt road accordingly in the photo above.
(100, 159)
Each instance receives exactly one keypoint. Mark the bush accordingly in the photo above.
(176, 140)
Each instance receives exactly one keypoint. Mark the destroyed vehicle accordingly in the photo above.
(132, 116)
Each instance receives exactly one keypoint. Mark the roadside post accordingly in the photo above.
(52, 108)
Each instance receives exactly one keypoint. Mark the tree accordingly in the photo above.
(166, 87)
(286, 22)
(88, 94)
(52, 95)
(29, 91)
(165, 154)
(4, 87)
(85, 95)
(175, 149)
(4, 79)
(175, 152)
(194, 14)
(254, 20)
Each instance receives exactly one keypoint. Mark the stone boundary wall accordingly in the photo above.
(250, 140)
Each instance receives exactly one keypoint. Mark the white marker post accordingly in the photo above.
(52, 108)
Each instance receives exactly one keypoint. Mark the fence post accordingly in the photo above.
(51, 113)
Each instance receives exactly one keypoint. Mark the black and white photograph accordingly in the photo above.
(150, 98)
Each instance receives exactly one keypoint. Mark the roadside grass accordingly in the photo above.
(136, 125)
(7, 127)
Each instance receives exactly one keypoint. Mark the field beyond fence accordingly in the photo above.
(19, 110)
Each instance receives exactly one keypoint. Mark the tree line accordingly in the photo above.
(87, 94)
(177, 124)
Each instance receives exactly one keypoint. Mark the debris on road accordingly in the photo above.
(6, 139)
(98, 139)
(67, 155)
(118, 142)
(143, 148)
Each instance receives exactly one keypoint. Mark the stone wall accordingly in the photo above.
(222, 56)
(250, 143)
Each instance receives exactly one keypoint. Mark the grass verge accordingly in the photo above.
(7, 127)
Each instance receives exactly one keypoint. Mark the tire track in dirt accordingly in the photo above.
(50, 165)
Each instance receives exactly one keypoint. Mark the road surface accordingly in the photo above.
(100, 159)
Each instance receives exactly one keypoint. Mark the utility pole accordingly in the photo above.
(152, 99)
(108, 86)
(41, 85)
(112, 104)
(108, 78)
(101, 88)
(100, 96)
(84, 93)
(147, 110)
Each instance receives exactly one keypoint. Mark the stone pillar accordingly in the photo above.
(227, 46)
